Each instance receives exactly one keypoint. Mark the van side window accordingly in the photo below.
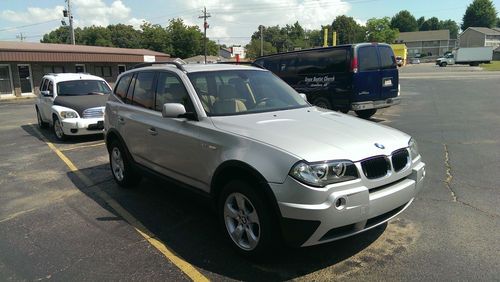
(170, 89)
(368, 58)
(272, 64)
(143, 90)
(287, 63)
(122, 86)
(387, 59)
(327, 61)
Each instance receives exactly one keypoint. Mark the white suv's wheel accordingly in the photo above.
(247, 220)
(41, 123)
(58, 130)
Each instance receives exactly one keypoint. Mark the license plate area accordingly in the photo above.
(387, 82)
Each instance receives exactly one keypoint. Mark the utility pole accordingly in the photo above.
(205, 26)
(261, 41)
(71, 29)
(21, 37)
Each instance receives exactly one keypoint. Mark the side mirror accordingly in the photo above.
(303, 96)
(173, 110)
(46, 93)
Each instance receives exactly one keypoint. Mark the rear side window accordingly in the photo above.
(122, 86)
(143, 90)
(326, 61)
(387, 59)
(368, 58)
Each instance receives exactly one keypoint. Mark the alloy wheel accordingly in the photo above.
(242, 221)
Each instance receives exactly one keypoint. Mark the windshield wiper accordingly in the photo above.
(95, 93)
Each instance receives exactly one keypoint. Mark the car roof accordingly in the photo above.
(191, 68)
(58, 77)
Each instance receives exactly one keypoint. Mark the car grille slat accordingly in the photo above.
(375, 167)
(400, 159)
(94, 112)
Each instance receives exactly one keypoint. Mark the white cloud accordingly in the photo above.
(136, 23)
(97, 12)
(33, 15)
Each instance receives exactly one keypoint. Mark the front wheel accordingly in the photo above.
(121, 167)
(246, 220)
(322, 102)
(366, 114)
(58, 130)
(443, 64)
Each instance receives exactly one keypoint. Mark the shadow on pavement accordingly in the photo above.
(186, 223)
(48, 133)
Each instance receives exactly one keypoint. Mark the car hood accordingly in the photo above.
(315, 134)
(81, 103)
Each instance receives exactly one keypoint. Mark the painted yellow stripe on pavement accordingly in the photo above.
(81, 147)
(183, 265)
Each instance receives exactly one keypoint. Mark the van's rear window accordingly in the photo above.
(387, 59)
(367, 58)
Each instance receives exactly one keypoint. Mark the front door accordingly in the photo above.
(25, 79)
(5, 80)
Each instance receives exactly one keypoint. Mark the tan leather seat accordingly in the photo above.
(228, 101)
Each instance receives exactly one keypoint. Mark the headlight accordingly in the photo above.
(323, 173)
(69, 114)
(412, 145)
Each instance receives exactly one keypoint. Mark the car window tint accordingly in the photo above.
(287, 63)
(50, 87)
(272, 64)
(122, 86)
(367, 58)
(387, 59)
(43, 87)
(170, 89)
(325, 61)
(143, 90)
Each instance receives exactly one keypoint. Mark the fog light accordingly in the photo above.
(340, 203)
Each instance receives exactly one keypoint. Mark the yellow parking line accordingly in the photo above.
(183, 265)
(81, 147)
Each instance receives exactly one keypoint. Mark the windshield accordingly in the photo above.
(238, 92)
(82, 87)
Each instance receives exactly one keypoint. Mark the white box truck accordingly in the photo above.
(472, 56)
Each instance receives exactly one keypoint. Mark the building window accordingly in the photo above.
(53, 69)
(103, 71)
(79, 68)
(121, 68)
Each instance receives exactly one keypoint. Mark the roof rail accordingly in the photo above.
(252, 64)
(178, 65)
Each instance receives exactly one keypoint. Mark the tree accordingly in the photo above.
(404, 21)
(59, 35)
(379, 30)
(348, 30)
(420, 22)
(481, 13)
(430, 24)
(154, 37)
(450, 25)
(125, 36)
(253, 48)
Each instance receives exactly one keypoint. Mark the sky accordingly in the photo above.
(231, 21)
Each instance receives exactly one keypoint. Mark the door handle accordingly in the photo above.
(152, 131)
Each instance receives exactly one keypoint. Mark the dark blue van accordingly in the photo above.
(360, 77)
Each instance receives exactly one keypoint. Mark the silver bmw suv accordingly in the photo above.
(277, 168)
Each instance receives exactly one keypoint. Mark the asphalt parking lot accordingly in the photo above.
(62, 216)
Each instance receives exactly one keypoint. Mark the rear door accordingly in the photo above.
(367, 82)
(388, 72)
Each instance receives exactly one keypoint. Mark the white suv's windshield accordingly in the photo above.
(82, 87)
(238, 92)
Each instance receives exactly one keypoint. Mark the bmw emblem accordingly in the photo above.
(380, 146)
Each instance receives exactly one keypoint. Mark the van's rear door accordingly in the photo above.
(388, 72)
(366, 82)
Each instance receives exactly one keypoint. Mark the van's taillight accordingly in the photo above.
(354, 65)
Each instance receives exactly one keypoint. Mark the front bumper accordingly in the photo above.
(318, 215)
(368, 105)
(83, 126)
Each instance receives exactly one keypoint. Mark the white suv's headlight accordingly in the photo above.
(323, 173)
(69, 114)
(412, 145)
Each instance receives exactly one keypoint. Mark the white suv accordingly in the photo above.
(276, 167)
(72, 103)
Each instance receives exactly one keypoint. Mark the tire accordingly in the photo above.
(58, 131)
(41, 124)
(240, 207)
(121, 166)
(344, 111)
(322, 102)
(443, 64)
(366, 114)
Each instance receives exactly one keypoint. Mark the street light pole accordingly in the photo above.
(71, 29)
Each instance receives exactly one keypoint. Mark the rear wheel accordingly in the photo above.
(121, 166)
(246, 219)
(58, 130)
(366, 114)
(322, 102)
(443, 64)
(41, 123)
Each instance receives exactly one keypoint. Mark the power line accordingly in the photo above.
(27, 25)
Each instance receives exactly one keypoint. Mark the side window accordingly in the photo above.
(367, 58)
(122, 86)
(143, 90)
(335, 60)
(326, 61)
(43, 86)
(287, 63)
(387, 59)
(170, 89)
(272, 64)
